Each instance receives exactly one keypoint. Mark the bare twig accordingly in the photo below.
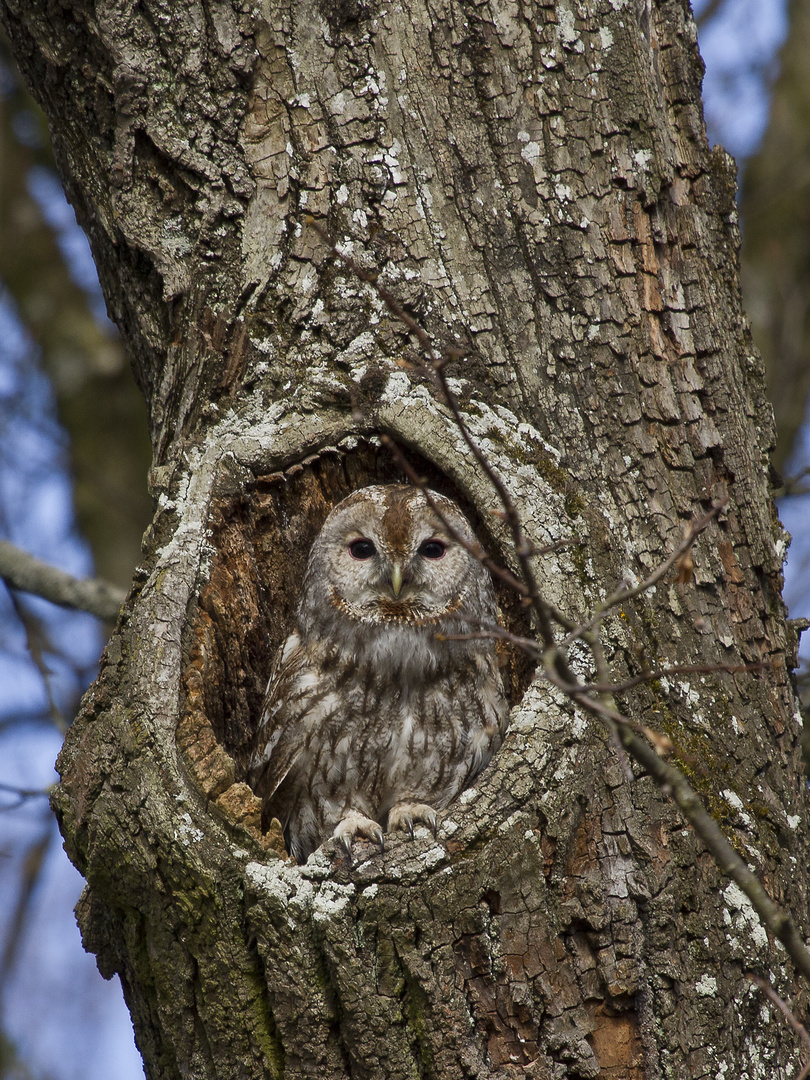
(660, 673)
(649, 748)
(623, 594)
(477, 552)
(22, 795)
(34, 636)
(791, 485)
(22, 571)
(550, 549)
(434, 363)
(32, 870)
(491, 631)
(784, 1008)
(708, 13)
(670, 779)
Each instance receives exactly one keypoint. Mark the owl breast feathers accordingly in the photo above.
(372, 720)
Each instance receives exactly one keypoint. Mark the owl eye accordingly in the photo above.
(362, 549)
(432, 549)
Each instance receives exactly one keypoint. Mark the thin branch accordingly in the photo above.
(31, 874)
(708, 13)
(435, 362)
(784, 1008)
(22, 795)
(647, 747)
(671, 780)
(591, 637)
(623, 594)
(34, 636)
(660, 673)
(791, 484)
(22, 571)
(494, 568)
(550, 549)
(493, 632)
(607, 712)
(519, 542)
(474, 549)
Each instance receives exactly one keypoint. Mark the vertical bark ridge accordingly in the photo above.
(535, 183)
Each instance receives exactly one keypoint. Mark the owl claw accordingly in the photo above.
(346, 843)
(356, 824)
(406, 814)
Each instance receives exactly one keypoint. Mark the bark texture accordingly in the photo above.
(535, 182)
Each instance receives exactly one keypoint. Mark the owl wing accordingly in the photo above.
(279, 736)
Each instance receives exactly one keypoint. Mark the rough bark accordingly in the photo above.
(536, 182)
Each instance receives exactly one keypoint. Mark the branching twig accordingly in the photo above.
(623, 594)
(659, 673)
(649, 748)
(786, 1011)
(670, 779)
(419, 481)
(494, 632)
(32, 869)
(708, 13)
(792, 484)
(22, 571)
(434, 363)
(33, 639)
(23, 795)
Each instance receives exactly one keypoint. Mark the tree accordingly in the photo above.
(775, 255)
(535, 190)
(85, 364)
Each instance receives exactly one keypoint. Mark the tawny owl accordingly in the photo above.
(372, 721)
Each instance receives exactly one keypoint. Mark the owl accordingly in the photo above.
(373, 720)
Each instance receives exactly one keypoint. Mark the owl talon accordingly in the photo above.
(356, 824)
(346, 843)
(405, 815)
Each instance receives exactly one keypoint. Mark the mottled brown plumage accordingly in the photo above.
(371, 721)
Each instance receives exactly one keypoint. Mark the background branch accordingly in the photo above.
(22, 571)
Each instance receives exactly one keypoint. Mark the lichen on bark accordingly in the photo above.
(535, 188)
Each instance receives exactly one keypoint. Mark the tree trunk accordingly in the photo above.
(535, 184)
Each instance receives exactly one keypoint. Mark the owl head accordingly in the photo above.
(385, 557)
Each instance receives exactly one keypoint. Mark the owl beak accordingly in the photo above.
(396, 580)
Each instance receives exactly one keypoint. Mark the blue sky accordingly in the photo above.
(740, 50)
